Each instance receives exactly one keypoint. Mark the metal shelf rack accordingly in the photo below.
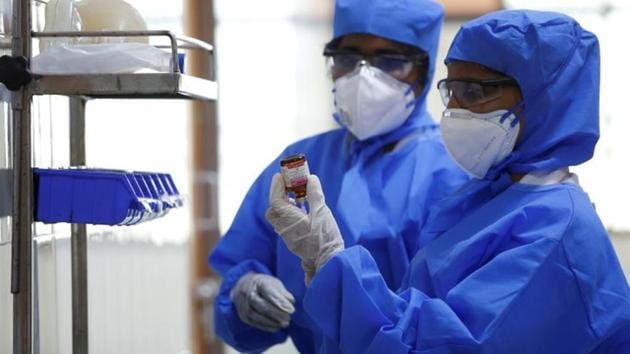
(80, 88)
(173, 84)
(127, 86)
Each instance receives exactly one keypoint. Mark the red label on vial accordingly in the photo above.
(295, 174)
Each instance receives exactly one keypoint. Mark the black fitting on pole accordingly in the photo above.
(14, 72)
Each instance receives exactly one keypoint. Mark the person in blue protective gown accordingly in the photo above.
(381, 170)
(515, 261)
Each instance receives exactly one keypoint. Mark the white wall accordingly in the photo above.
(274, 88)
(621, 242)
(138, 294)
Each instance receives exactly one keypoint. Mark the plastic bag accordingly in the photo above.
(6, 17)
(106, 58)
(61, 16)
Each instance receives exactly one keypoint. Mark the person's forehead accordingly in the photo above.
(461, 69)
(367, 43)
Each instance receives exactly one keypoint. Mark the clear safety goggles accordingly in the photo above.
(340, 62)
(468, 92)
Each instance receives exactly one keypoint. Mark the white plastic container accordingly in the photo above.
(110, 15)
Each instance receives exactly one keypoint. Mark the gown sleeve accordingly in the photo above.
(533, 294)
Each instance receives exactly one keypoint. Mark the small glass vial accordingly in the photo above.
(295, 173)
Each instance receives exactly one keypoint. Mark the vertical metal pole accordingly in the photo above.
(21, 276)
(199, 17)
(79, 235)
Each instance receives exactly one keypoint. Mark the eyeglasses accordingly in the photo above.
(341, 62)
(468, 92)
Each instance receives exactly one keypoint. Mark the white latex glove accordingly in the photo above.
(263, 302)
(314, 237)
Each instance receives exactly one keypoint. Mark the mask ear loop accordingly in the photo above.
(506, 115)
(513, 154)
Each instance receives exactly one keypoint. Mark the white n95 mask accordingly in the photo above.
(478, 141)
(371, 102)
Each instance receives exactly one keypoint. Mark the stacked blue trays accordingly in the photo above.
(102, 197)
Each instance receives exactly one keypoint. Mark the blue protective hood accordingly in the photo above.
(413, 22)
(556, 64)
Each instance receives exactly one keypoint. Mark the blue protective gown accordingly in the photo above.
(379, 190)
(502, 267)
(530, 271)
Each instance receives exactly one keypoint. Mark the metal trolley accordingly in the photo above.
(80, 88)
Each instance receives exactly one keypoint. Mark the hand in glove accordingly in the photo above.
(262, 302)
(314, 237)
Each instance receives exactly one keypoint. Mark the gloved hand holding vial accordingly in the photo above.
(312, 236)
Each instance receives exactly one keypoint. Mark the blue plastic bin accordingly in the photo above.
(102, 197)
